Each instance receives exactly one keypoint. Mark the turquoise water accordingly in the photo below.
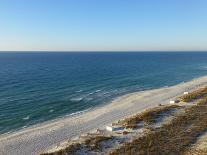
(35, 87)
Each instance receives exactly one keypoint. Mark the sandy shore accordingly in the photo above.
(43, 136)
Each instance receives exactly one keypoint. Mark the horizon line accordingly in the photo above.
(70, 51)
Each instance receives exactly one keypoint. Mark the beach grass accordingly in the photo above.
(194, 95)
(174, 137)
(148, 116)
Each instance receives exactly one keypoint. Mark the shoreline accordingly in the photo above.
(77, 113)
(40, 137)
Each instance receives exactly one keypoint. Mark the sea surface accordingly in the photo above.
(37, 87)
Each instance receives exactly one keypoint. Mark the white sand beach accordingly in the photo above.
(38, 138)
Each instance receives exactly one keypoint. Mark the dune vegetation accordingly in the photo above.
(177, 136)
(202, 92)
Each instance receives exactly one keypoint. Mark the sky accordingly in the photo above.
(103, 25)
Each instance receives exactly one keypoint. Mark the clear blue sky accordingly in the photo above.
(74, 25)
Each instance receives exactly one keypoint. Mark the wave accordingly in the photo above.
(24, 127)
(86, 97)
(90, 93)
(78, 91)
(79, 112)
(89, 98)
(76, 99)
(51, 111)
(98, 90)
(26, 118)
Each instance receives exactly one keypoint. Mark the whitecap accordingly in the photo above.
(98, 90)
(79, 112)
(26, 118)
(76, 99)
(91, 93)
(78, 91)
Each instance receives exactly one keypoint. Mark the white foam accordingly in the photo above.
(76, 99)
(91, 93)
(79, 112)
(78, 91)
(97, 90)
(26, 118)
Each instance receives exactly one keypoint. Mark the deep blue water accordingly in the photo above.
(35, 87)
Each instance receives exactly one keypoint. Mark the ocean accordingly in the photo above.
(41, 86)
